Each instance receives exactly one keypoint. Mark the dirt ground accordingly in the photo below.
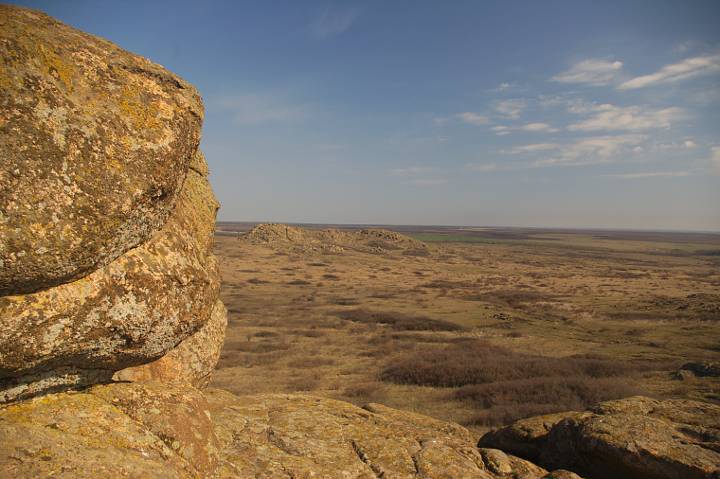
(373, 324)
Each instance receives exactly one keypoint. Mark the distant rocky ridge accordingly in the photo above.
(371, 240)
(110, 323)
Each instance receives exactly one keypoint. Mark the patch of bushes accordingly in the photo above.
(418, 252)
(507, 385)
(398, 321)
(506, 401)
(308, 333)
(478, 362)
(343, 301)
(512, 298)
(312, 362)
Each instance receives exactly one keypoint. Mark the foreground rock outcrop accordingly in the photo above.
(635, 437)
(95, 144)
(153, 430)
(104, 205)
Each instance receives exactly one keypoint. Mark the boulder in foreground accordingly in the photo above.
(154, 430)
(95, 143)
(635, 437)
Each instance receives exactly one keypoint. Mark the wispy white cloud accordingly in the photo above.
(511, 108)
(686, 144)
(649, 174)
(688, 68)
(333, 21)
(501, 130)
(630, 118)
(533, 148)
(473, 118)
(257, 109)
(591, 150)
(544, 127)
(592, 71)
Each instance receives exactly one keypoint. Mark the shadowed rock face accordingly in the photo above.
(635, 437)
(129, 312)
(192, 361)
(95, 143)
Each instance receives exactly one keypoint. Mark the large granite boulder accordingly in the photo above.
(95, 143)
(635, 437)
(106, 213)
(129, 312)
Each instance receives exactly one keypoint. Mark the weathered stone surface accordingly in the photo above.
(86, 435)
(129, 312)
(526, 437)
(178, 415)
(635, 437)
(94, 145)
(303, 436)
(156, 430)
(192, 361)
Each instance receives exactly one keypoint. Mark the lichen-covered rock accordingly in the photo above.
(303, 436)
(178, 415)
(634, 437)
(119, 430)
(192, 361)
(95, 143)
(129, 312)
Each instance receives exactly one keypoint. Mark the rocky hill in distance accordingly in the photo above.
(111, 323)
(373, 240)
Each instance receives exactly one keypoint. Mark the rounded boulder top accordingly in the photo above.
(95, 143)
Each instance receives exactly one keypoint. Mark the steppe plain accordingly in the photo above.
(480, 326)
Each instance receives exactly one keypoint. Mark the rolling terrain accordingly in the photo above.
(481, 326)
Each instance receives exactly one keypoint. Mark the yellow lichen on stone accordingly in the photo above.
(142, 115)
(56, 67)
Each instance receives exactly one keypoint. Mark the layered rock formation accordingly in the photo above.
(635, 437)
(106, 213)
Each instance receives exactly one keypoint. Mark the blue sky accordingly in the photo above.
(538, 113)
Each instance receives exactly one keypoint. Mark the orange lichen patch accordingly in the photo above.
(56, 67)
(142, 114)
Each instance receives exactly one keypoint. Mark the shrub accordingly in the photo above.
(507, 385)
(478, 362)
(398, 321)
